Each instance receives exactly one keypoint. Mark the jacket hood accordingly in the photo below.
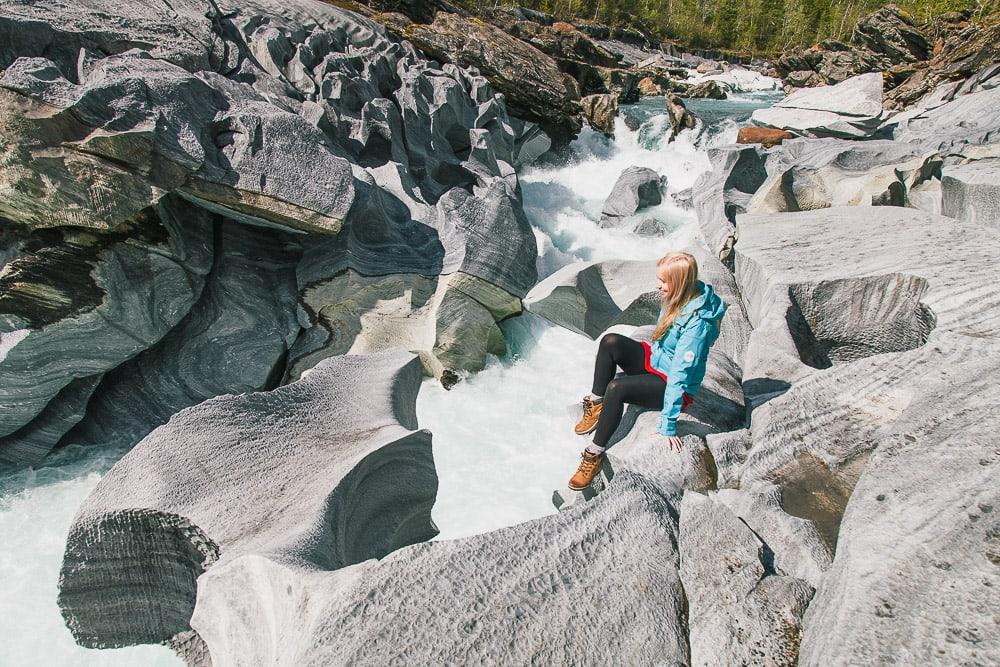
(708, 305)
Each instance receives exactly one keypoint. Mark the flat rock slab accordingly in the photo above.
(936, 127)
(850, 109)
(595, 584)
(327, 471)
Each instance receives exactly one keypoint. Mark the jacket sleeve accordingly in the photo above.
(690, 353)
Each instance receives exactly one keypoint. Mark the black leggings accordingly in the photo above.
(638, 386)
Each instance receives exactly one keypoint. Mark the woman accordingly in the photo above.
(663, 375)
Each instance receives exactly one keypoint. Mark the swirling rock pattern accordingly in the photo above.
(298, 116)
(522, 594)
(88, 302)
(235, 339)
(325, 472)
(723, 192)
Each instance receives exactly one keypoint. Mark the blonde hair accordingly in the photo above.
(682, 274)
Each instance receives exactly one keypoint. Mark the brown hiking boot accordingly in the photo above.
(586, 471)
(591, 413)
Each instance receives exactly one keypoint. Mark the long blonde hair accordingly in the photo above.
(682, 274)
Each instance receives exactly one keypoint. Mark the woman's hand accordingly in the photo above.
(671, 441)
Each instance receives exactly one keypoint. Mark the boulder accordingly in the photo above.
(563, 42)
(542, 576)
(711, 90)
(766, 137)
(450, 320)
(235, 339)
(890, 32)
(530, 80)
(806, 174)
(680, 118)
(600, 112)
(709, 67)
(971, 192)
(636, 188)
(851, 110)
(530, 142)
(725, 191)
(739, 608)
(75, 304)
(145, 127)
(320, 485)
(590, 297)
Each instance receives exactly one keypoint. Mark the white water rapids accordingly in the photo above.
(503, 438)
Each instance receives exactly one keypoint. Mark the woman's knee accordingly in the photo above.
(615, 390)
(611, 340)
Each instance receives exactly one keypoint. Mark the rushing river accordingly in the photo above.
(503, 438)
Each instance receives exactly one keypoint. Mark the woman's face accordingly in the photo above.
(662, 282)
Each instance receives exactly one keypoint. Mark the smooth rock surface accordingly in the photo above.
(851, 110)
(739, 610)
(541, 580)
(636, 188)
(879, 402)
(936, 128)
(325, 472)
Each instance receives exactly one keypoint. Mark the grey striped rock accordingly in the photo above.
(540, 580)
(806, 174)
(723, 192)
(851, 109)
(636, 188)
(740, 610)
(881, 326)
(32, 442)
(449, 320)
(971, 192)
(327, 471)
(235, 339)
(76, 304)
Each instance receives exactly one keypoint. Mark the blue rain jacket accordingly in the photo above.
(682, 353)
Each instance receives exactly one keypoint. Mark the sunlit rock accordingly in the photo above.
(851, 109)
(870, 367)
(806, 174)
(540, 579)
(740, 610)
(635, 189)
(326, 472)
